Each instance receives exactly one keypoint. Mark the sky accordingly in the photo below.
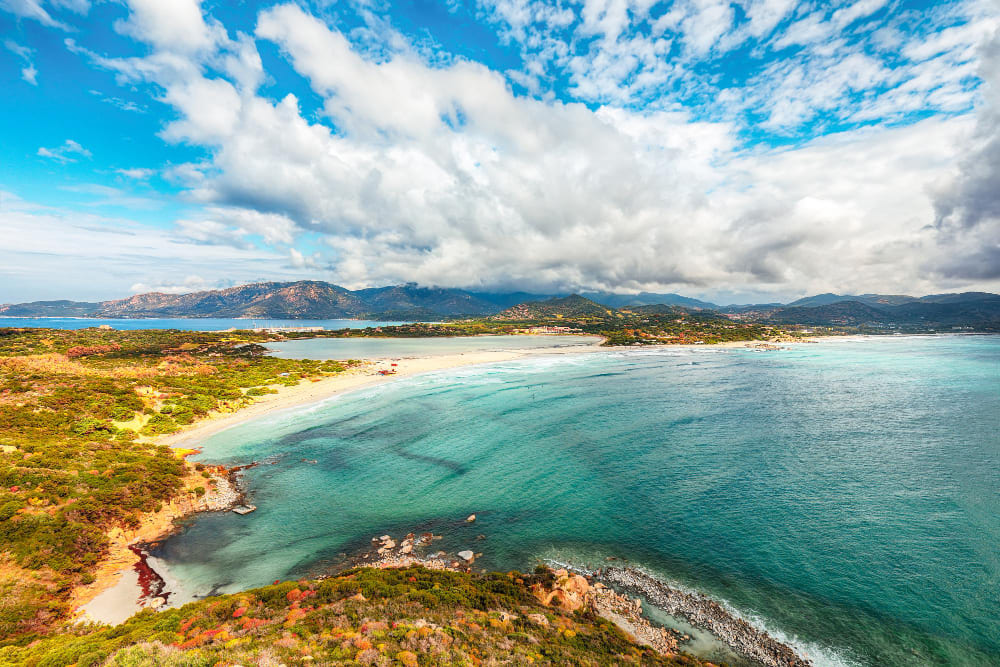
(738, 151)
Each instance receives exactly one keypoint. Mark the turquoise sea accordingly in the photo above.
(844, 495)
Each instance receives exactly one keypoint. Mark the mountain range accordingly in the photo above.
(321, 300)
(975, 309)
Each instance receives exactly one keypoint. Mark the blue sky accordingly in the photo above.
(730, 150)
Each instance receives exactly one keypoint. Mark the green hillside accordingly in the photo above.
(411, 616)
(574, 306)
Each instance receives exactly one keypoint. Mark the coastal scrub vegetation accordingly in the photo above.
(638, 325)
(412, 616)
(78, 410)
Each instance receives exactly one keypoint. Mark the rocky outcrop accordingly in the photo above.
(703, 612)
(568, 591)
(626, 613)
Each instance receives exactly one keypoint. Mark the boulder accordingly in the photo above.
(471, 518)
(576, 584)
(467, 556)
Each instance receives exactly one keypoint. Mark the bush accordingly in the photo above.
(160, 424)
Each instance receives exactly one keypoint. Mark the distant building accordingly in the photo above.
(287, 329)
(550, 330)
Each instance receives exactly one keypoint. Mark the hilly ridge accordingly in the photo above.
(969, 309)
(573, 305)
(310, 299)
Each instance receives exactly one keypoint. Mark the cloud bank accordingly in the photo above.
(439, 171)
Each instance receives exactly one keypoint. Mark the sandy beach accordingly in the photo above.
(367, 376)
(354, 379)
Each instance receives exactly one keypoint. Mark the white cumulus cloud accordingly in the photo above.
(70, 151)
(436, 171)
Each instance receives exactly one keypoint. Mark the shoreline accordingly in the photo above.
(614, 593)
(122, 561)
(118, 590)
(314, 391)
(116, 593)
(704, 612)
(317, 390)
(121, 585)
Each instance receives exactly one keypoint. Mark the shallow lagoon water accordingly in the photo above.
(845, 495)
(390, 348)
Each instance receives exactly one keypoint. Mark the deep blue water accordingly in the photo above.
(182, 324)
(846, 495)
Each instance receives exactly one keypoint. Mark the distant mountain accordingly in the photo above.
(819, 300)
(842, 313)
(409, 298)
(977, 309)
(647, 299)
(963, 297)
(305, 300)
(504, 300)
(48, 309)
(870, 299)
(559, 307)
(969, 309)
(312, 299)
(884, 299)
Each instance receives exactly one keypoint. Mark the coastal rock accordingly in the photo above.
(538, 619)
(621, 610)
(467, 556)
(471, 518)
(569, 592)
(704, 612)
(576, 585)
